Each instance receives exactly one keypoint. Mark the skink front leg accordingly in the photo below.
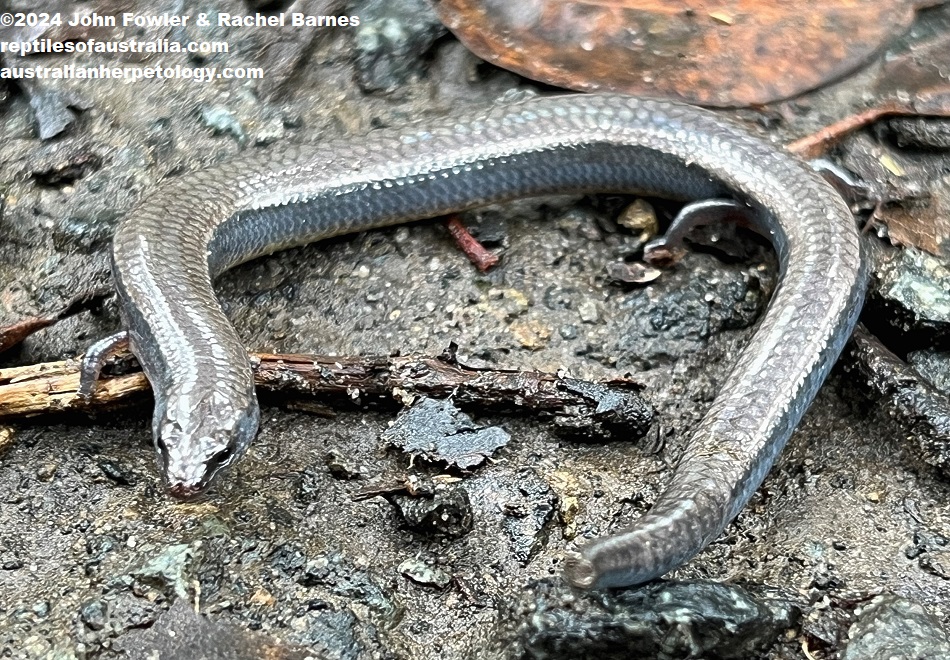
(96, 358)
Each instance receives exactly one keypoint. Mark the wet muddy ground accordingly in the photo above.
(280, 555)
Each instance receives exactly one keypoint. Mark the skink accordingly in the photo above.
(168, 250)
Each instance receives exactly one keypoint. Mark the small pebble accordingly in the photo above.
(421, 573)
(94, 614)
(568, 331)
(588, 311)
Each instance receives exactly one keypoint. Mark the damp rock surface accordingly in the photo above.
(894, 627)
(667, 621)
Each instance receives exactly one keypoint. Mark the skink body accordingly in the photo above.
(168, 250)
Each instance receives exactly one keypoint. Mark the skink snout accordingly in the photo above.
(198, 437)
(190, 473)
(185, 479)
(184, 491)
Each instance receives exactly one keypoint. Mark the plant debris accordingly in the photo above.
(438, 431)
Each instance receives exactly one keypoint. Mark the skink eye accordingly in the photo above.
(220, 459)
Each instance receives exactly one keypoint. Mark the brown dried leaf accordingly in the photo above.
(926, 227)
(912, 191)
(921, 73)
(726, 53)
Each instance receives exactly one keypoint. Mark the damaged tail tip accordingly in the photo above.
(578, 571)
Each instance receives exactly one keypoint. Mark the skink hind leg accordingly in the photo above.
(851, 188)
(96, 358)
(670, 247)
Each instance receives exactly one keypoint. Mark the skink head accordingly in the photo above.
(197, 438)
